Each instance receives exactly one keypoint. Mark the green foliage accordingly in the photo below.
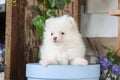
(50, 13)
(39, 22)
(51, 6)
(112, 55)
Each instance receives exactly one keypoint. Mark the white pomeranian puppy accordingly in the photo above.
(62, 43)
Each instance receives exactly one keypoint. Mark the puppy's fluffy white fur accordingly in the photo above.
(62, 42)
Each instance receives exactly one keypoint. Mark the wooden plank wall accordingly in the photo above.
(8, 40)
(22, 42)
(31, 38)
(14, 58)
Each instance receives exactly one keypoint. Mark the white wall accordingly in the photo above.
(98, 25)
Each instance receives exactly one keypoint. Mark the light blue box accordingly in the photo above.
(35, 71)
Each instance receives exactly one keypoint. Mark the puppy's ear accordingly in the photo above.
(71, 19)
(73, 23)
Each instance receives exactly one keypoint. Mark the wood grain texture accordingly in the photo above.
(8, 39)
(15, 61)
(17, 43)
(119, 29)
(32, 41)
(114, 12)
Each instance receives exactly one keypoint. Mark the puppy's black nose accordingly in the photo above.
(54, 38)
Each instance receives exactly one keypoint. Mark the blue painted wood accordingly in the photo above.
(36, 71)
(63, 79)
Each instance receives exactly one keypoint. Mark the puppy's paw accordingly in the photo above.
(44, 62)
(79, 61)
(47, 62)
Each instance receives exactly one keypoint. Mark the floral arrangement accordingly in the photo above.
(110, 65)
(2, 53)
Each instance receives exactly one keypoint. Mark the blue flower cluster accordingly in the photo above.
(115, 69)
(2, 53)
(106, 64)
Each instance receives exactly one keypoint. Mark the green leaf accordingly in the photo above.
(37, 9)
(116, 59)
(110, 56)
(60, 4)
(47, 4)
(41, 1)
(53, 3)
(105, 47)
(44, 13)
(39, 23)
(50, 13)
(67, 1)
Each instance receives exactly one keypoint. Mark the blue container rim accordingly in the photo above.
(35, 70)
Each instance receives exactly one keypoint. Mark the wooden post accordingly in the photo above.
(14, 58)
(117, 13)
(8, 40)
(119, 29)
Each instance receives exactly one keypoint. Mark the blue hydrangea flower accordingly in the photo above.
(104, 62)
(115, 69)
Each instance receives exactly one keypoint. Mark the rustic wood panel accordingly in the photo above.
(8, 39)
(15, 61)
(31, 38)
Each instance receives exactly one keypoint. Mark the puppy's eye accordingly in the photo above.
(51, 34)
(62, 33)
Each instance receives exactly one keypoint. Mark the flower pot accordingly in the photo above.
(35, 71)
